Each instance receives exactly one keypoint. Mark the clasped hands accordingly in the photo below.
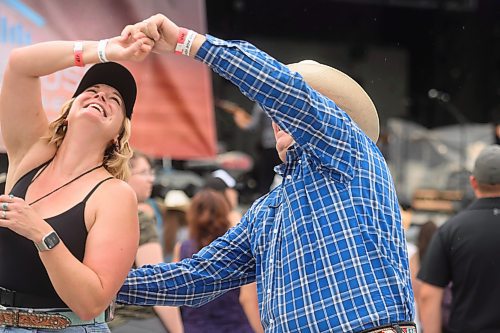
(156, 34)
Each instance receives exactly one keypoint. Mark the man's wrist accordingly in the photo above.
(185, 40)
(197, 43)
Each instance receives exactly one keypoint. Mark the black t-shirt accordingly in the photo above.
(466, 251)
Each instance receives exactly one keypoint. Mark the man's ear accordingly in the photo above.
(473, 182)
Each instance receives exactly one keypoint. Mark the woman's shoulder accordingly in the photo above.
(109, 194)
(114, 201)
(111, 187)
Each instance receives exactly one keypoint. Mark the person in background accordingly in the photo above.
(326, 246)
(176, 203)
(135, 319)
(464, 251)
(266, 156)
(236, 310)
(220, 180)
(413, 257)
(424, 238)
(68, 226)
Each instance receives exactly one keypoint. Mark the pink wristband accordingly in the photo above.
(184, 41)
(78, 53)
(180, 40)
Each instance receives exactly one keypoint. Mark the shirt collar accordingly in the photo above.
(292, 156)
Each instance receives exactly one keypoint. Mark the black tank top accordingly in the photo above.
(21, 269)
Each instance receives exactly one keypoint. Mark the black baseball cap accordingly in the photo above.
(113, 75)
(487, 166)
(215, 184)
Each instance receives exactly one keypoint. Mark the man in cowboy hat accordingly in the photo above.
(326, 247)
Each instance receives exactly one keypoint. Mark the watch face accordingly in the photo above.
(51, 240)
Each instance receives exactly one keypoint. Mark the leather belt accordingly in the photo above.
(18, 318)
(38, 319)
(405, 327)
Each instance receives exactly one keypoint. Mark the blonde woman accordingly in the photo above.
(68, 226)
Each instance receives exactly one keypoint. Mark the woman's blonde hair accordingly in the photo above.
(116, 155)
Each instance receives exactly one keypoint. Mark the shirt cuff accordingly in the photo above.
(206, 51)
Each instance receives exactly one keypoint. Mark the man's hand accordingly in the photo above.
(159, 28)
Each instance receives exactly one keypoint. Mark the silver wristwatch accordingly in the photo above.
(49, 241)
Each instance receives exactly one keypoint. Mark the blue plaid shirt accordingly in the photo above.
(326, 247)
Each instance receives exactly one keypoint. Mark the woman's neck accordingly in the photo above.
(73, 159)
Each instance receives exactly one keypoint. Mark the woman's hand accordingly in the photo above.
(135, 49)
(159, 28)
(21, 218)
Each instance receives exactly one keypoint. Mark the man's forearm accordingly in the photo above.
(431, 298)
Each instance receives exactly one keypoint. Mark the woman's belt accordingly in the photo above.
(20, 310)
(40, 319)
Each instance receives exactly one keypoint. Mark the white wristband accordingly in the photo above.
(185, 41)
(101, 50)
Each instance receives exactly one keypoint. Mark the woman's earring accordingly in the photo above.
(63, 127)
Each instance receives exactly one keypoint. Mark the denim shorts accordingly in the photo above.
(94, 328)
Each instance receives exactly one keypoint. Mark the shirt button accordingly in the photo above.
(275, 230)
(271, 321)
(289, 177)
(269, 291)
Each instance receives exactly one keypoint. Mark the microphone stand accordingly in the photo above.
(444, 99)
(462, 121)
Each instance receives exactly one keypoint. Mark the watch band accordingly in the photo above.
(48, 242)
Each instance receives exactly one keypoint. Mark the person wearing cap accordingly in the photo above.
(175, 203)
(221, 181)
(464, 251)
(68, 226)
(326, 246)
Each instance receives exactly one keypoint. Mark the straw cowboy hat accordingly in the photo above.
(344, 91)
(177, 200)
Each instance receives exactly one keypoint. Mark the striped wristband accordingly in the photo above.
(184, 41)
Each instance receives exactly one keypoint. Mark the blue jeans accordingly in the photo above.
(94, 328)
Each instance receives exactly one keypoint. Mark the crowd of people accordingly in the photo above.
(323, 251)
